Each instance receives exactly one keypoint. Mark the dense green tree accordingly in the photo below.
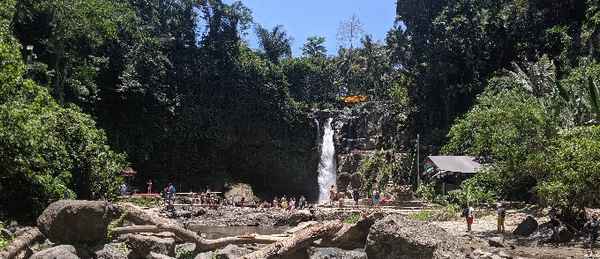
(46, 151)
(572, 166)
(69, 36)
(509, 128)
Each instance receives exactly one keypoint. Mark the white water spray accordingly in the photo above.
(327, 168)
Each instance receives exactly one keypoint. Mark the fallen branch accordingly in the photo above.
(221, 242)
(298, 240)
(151, 224)
(352, 236)
(22, 242)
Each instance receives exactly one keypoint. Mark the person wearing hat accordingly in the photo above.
(501, 214)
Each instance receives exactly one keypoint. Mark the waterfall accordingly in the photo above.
(327, 168)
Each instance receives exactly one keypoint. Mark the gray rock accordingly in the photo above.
(399, 238)
(526, 227)
(154, 255)
(77, 222)
(141, 245)
(504, 254)
(333, 253)
(185, 248)
(205, 255)
(565, 235)
(57, 252)
(496, 242)
(231, 252)
(295, 218)
(110, 252)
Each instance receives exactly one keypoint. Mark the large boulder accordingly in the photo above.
(399, 238)
(141, 246)
(77, 222)
(526, 227)
(57, 252)
(333, 253)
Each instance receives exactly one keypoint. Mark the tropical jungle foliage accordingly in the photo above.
(172, 89)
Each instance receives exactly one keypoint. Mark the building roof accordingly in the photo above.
(459, 164)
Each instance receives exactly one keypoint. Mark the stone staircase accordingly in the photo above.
(401, 207)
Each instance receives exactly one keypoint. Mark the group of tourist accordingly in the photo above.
(286, 204)
(376, 198)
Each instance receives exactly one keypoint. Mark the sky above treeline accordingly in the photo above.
(305, 18)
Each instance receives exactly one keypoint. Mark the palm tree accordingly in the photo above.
(276, 44)
(314, 47)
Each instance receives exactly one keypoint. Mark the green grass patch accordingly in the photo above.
(447, 213)
(3, 241)
(187, 254)
(142, 201)
(353, 218)
(424, 215)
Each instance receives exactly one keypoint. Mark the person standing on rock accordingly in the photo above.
(355, 196)
(284, 203)
(468, 213)
(301, 202)
(169, 194)
(149, 183)
(332, 194)
(501, 214)
(376, 197)
(592, 227)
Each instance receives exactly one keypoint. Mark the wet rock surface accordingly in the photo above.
(77, 222)
(361, 131)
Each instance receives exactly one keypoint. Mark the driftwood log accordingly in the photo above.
(23, 241)
(298, 240)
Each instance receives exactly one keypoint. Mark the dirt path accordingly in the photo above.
(485, 227)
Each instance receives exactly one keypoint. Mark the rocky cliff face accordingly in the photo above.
(362, 131)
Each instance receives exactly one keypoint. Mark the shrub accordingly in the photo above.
(474, 191)
(426, 192)
(353, 218)
(573, 169)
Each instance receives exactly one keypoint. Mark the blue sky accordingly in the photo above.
(304, 18)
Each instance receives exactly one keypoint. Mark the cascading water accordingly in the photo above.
(327, 168)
